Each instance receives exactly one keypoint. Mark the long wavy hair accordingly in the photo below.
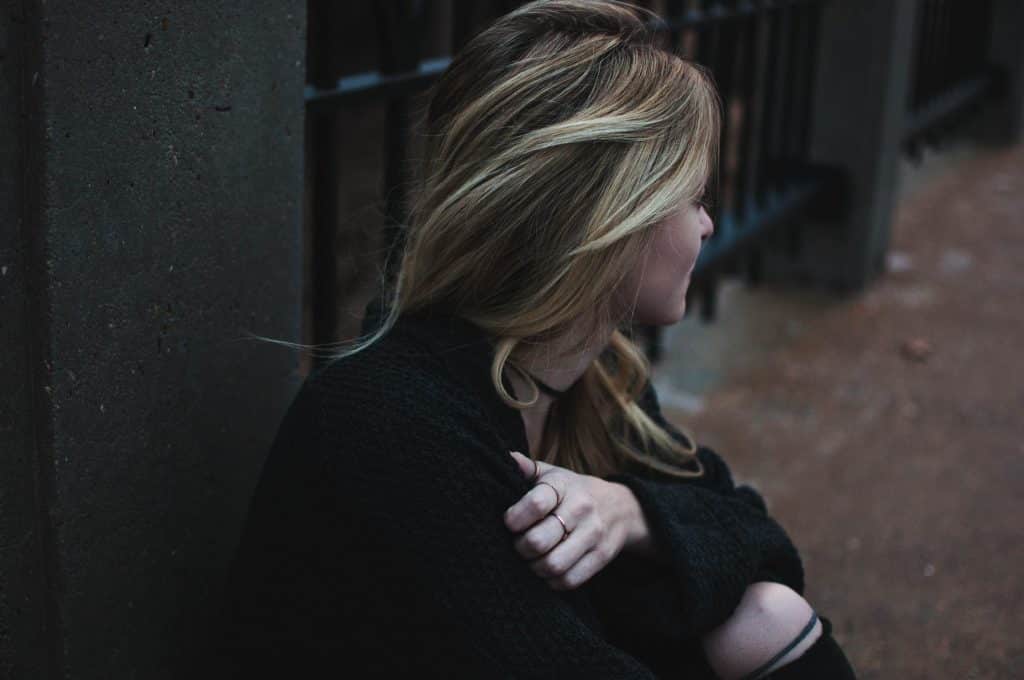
(553, 143)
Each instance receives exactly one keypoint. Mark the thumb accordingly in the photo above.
(526, 464)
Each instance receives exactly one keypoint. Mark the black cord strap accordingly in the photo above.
(548, 389)
(804, 633)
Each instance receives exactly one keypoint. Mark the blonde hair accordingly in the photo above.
(553, 142)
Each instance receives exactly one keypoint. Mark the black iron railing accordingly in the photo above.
(763, 57)
(952, 73)
(762, 54)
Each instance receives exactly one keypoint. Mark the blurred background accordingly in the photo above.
(173, 179)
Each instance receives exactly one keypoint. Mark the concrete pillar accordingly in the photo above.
(861, 89)
(150, 194)
(25, 651)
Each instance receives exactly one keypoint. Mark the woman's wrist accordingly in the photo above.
(637, 532)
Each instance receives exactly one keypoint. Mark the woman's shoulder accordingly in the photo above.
(374, 414)
(394, 372)
(394, 391)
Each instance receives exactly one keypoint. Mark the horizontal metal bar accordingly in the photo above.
(793, 199)
(377, 85)
(373, 84)
(719, 13)
(950, 101)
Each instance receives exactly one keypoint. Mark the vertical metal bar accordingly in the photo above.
(961, 40)
(919, 65)
(727, 63)
(925, 71)
(689, 39)
(400, 40)
(813, 27)
(931, 67)
(790, 89)
(968, 21)
(984, 35)
(773, 26)
(747, 70)
(756, 105)
(800, 151)
(793, 94)
(780, 101)
(462, 15)
(709, 54)
(944, 60)
(674, 9)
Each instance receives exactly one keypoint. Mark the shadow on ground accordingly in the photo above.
(885, 430)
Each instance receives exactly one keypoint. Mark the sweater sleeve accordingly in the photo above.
(716, 470)
(433, 493)
(718, 476)
(712, 540)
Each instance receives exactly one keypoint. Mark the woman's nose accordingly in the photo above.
(707, 226)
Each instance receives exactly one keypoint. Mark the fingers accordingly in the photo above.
(535, 505)
(532, 469)
(569, 561)
(527, 466)
(563, 560)
(543, 537)
(551, 555)
(581, 572)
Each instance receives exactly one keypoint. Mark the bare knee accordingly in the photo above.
(768, 618)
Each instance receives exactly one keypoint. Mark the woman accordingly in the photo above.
(484, 485)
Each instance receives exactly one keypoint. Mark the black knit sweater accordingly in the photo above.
(375, 544)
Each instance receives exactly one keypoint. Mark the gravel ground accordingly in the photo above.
(885, 429)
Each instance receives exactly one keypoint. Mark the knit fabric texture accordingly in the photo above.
(375, 544)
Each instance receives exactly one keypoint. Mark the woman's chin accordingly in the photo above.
(667, 317)
(681, 313)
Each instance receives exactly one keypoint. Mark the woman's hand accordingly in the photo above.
(602, 518)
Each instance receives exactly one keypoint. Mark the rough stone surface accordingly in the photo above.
(898, 472)
(23, 643)
(162, 215)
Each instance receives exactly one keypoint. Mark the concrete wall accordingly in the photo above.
(150, 195)
(23, 592)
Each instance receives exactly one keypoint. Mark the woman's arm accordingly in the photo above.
(426, 488)
(708, 541)
(708, 548)
(782, 564)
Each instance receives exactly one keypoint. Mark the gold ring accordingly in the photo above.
(565, 528)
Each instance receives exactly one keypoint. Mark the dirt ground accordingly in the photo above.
(885, 429)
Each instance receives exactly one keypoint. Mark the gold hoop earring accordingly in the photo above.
(528, 380)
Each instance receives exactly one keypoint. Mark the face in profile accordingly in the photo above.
(655, 291)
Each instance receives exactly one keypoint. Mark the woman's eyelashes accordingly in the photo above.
(706, 201)
(703, 201)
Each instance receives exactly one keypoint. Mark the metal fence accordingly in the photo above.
(763, 54)
(952, 72)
